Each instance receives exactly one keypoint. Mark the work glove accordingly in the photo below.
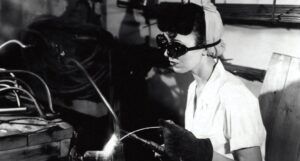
(182, 145)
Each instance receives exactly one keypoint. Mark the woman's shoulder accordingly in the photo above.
(230, 83)
(233, 83)
(234, 89)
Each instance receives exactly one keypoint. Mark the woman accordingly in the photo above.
(222, 117)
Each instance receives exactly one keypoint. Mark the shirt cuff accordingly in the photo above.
(244, 141)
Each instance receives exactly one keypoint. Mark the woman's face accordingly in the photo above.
(190, 61)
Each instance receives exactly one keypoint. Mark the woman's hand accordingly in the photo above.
(181, 144)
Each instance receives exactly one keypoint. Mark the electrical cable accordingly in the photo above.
(13, 42)
(14, 83)
(150, 144)
(10, 72)
(24, 85)
(14, 92)
(5, 85)
(98, 91)
(22, 97)
(17, 99)
(40, 79)
(138, 130)
(2, 83)
(27, 93)
(8, 81)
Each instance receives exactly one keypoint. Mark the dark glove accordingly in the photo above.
(181, 144)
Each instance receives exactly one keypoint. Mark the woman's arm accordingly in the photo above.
(246, 154)
(219, 157)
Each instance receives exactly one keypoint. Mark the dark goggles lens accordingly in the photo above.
(162, 41)
(175, 49)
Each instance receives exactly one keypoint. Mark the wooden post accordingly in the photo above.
(280, 105)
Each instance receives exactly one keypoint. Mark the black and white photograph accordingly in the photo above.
(149, 80)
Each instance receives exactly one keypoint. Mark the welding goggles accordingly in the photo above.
(176, 49)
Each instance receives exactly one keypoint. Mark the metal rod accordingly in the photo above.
(110, 109)
(273, 10)
(14, 109)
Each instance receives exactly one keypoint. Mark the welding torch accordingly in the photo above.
(108, 149)
(148, 143)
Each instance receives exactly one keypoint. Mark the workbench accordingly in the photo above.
(33, 139)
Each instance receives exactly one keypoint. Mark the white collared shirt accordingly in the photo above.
(226, 112)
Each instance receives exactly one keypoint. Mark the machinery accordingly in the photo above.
(65, 60)
(25, 121)
(17, 91)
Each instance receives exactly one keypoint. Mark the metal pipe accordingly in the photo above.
(14, 109)
(273, 10)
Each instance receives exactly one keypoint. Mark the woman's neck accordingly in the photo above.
(204, 71)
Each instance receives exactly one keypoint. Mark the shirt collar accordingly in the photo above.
(216, 80)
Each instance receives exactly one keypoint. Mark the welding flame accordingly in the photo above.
(106, 153)
(110, 146)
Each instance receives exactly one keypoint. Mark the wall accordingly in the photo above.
(16, 14)
(253, 46)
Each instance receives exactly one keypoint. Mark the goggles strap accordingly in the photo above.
(205, 46)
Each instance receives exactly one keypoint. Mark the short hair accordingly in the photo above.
(182, 19)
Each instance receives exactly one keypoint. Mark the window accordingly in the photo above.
(261, 12)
